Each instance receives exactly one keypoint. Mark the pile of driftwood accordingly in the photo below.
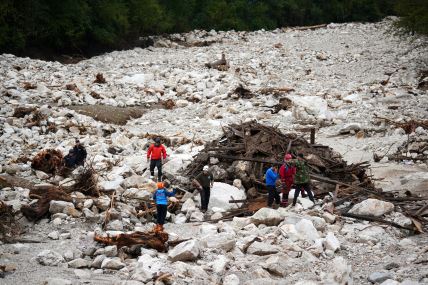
(246, 150)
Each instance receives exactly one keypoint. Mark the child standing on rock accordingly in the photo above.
(161, 198)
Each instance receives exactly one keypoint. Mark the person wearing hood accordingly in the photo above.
(302, 179)
(286, 174)
(203, 182)
(156, 155)
(160, 196)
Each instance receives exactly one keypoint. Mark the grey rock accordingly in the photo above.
(60, 207)
(267, 216)
(80, 263)
(261, 248)
(82, 274)
(112, 263)
(98, 261)
(49, 258)
(185, 251)
(57, 281)
(379, 277)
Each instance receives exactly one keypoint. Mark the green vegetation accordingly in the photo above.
(93, 26)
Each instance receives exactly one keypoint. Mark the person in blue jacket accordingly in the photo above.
(272, 176)
(161, 198)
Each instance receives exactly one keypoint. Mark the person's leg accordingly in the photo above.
(202, 199)
(307, 188)
(159, 166)
(207, 197)
(296, 193)
(276, 196)
(158, 214)
(163, 214)
(270, 195)
(152, 167)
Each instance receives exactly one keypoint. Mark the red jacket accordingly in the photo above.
(287, 173)
(156, 152)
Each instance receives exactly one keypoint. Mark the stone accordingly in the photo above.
(372, 207)
(277, 265)
(262, 248)
(208, 229)
(57, 281)
(134, 181)
(112, 263)
(197, 216)
(319, 223)
(49, 258)
(267, 216)
(54, 235)
(224, 241)
(219, 264)
(307, 230)
(218, 172)
(390, 282)
(221, 193)
(68, 255)
(317, 247)
(231, 279)
(240, 222)
(109, 251)
(329, 218)
(41, 175)
(391, 265)
(188, 206)
(98, 261)
(82, 274)
(103, 203)
(135, 193)
(331, 242)
(185, 251)
(289, 231)
(80, 263)
(340, 274)
(60, 207)
(110, 186)
(115, 225)
(379, 277)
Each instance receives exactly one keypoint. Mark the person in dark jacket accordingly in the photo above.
(302, 179)
(203, 182)
(156, 154)
(76, 156)
(160, 196)
(271, 177)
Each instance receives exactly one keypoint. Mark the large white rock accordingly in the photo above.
(221, 193)
(231, 279)
(80, 263)
(224, 241)
(49, 258)
(134, 181)
(188, 206)
(307, 230)
(136, 193)
(267, 216)
(185, 251)
(262, 248)
(277, 265)
(109, 186)
(60, 207)
(112, 263)
(372, 207)
(331, 242)
(340, 273)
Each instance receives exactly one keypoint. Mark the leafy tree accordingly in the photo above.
(414, 15)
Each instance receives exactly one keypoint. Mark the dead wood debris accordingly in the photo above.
(408, 126)
(246, 150)
(28, 85)
(72, 87)
(152, 239)
(95, 95)
(21, 112)
(8, 224)
(48, 161)
(87, 181)
(99, 78)
(168, 104)
(423, 80)
(220, 64)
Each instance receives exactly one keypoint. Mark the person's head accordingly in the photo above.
(300, 156)
(159, 185)
(166, 183)
(77, 142)
(205, 169)
(275, 167)
(287, 157)
(157, 141)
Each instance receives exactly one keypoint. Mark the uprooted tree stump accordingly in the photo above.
(8, 224)
(153, 239)
(48, 161)
(99, 78)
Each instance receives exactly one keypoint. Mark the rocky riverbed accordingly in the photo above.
(347, 80)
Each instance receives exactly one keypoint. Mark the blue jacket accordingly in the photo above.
(271, 177)
(160, 196)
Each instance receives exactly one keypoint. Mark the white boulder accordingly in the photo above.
(185, 251)
(372, 207)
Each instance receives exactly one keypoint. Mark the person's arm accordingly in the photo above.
(163, 152)
(149, 152)
(154, 196)
(171, 194)
(84, 152)
(196, 182)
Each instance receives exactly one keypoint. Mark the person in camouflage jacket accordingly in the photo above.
(301, 179)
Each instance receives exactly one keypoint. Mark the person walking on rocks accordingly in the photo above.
(301, 179)
(156, 154)
(271, 177)
(286, 173)
(160, 196)
(204, 182)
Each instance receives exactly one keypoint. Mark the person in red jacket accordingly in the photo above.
(286, 174)
(156, 154)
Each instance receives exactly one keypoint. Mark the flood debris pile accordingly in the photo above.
(8, 224)
(49, 161)
(245, 151)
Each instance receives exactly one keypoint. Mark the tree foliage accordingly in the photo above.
(88, 26)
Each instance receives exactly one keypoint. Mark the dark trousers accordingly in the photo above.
(300, 188)
(273, 195)
(156, 163)
(205, 198)
(161, 214)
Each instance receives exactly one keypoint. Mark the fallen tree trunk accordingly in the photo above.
(155, 240)
(379, 220)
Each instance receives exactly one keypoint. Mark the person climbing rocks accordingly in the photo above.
(286, 174)
(160, 196)
(271, 177)
(156, 154)
(204, 182)
(301, 179)
(76, 156)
